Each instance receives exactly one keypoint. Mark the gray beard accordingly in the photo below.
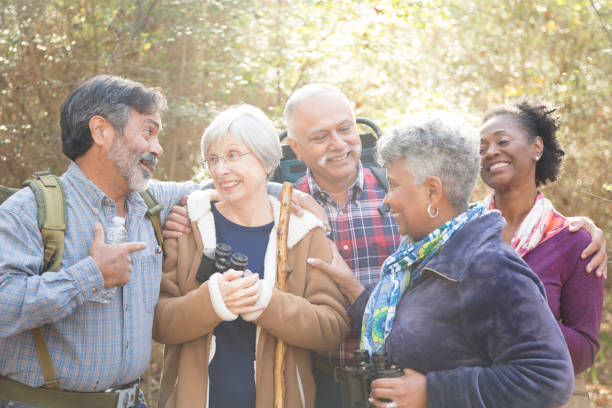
(128, 165)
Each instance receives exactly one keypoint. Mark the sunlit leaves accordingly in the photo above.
(391, 57)
(551, 26)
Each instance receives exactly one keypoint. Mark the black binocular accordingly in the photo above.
(383, 209)
(220, 259)
(359, 377)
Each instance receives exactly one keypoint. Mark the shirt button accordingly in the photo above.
(94, 290)
(345, 247)
(126, 308)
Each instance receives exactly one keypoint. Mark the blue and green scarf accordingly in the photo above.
(399, 271)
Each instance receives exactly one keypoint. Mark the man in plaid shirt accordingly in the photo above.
(322, 132)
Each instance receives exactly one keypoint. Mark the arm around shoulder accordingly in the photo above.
(598, 263)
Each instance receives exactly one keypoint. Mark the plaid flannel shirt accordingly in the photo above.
(93, 346)
(364, 238)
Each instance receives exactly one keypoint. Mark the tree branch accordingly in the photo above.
(603, 25)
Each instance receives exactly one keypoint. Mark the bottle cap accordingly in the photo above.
(119, 221)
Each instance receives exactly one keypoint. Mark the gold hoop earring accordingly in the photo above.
(435, 214)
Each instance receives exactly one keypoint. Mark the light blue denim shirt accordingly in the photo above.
(93, 346)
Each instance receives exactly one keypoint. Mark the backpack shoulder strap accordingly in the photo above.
(153, 210)
(6, 192)
(381, 177)
(51, 205)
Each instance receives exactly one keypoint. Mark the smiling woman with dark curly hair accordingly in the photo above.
(520, 152)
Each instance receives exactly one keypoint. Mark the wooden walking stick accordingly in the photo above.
(281, 279)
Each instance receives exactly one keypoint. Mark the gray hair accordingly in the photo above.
(252, 126)
(306, 92)
(437, 144)
(110, 97)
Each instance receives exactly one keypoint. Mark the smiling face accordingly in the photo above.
(135, 153)
(325, 137)
(508, 157)
(408, 201)
(240, 179)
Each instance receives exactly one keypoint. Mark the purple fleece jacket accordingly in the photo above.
(574, 296)
(476, 323)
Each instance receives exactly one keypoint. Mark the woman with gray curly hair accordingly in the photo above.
(456, 307)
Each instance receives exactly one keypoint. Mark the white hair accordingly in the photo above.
(252, 126)
(306, 92)
(440, 144)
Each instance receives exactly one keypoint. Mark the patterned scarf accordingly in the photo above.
(399, 271)
(541, 223)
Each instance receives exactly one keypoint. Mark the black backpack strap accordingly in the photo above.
(153, 210)
(381, 177)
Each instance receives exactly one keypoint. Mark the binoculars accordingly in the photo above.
(220, 259)
(359, 377)
(383, 209)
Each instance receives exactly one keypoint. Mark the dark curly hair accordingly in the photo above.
(539, 118)
(110, 97)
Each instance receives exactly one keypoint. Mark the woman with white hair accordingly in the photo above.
(456, 307)
(220, 334)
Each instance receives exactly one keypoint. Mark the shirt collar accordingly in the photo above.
(92, 194)
(320, 195)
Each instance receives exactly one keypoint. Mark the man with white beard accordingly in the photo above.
(110, 129)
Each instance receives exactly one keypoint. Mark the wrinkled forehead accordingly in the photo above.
(323, 110)
(145, 119)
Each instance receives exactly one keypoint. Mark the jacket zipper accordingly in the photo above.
(440, 274)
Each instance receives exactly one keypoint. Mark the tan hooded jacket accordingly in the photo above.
(310, 316)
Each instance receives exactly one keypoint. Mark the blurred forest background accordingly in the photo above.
(390, 57)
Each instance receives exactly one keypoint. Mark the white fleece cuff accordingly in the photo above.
(265, 294)
(217, 300)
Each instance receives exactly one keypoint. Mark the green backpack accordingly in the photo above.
(51, 205)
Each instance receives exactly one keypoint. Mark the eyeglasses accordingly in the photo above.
(213, 160)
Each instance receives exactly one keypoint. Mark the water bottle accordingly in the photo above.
(116, 234)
